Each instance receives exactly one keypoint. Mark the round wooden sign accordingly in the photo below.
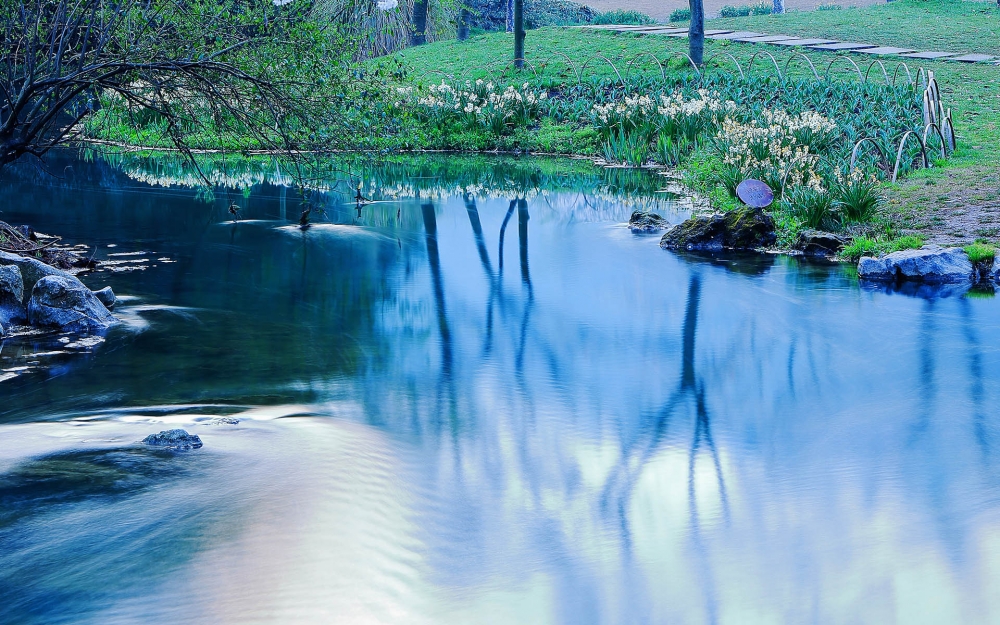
(755, 193)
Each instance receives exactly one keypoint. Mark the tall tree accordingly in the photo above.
(696, 31)
(418, 36)
(518, 33)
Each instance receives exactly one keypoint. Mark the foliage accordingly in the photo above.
(813, 208)
(856, 196)
(875, 246)
(760, 8)
(680, 15)
(980, 252)
(829, 7)
(268, 76)
(622, 16)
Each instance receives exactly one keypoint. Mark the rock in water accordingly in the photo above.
(107, 297)
(646, 222)
(741, 229)
(819, 243)
(11, 295)
(31, 271)
(932, 264)
(65, 303)
(173, 439)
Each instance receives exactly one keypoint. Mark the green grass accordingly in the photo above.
(875, 246)
(943, 25)
(980, 252)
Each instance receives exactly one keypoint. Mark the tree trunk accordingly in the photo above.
(779, 7)
(518, 33)
(418, 36)
(696, 32)
(463, 24)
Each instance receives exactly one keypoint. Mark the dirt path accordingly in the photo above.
(660, 10)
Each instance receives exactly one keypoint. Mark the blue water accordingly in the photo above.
(599, 432)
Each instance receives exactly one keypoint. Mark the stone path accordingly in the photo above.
(812, 44)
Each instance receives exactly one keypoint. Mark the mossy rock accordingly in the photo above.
(742, 229)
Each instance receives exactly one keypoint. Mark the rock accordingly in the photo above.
(932, 264)
(741, 229)
(11, 295)
(995, 271)
(173, 439)
(3, 330)
(646, 222)
(107, 297)
(224, 421)
(32, 270)
(65, 303)
(819, 243)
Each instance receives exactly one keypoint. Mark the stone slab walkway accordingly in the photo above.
(812, 44)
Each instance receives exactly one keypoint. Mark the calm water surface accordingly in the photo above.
(458, 408)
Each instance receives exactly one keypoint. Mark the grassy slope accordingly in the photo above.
(947, 26)
(960, 201)
(924, 198)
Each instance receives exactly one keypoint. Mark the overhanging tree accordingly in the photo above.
(260, 74)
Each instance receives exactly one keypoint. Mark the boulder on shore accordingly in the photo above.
(742, 229)
(11, 295)
(173, 439)
(932, 264)
(819, 243)
(646, 222)
(32, 270)
(66, 303)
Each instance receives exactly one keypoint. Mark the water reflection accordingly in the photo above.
(607, 433)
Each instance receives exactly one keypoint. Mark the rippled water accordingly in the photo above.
(586, 429)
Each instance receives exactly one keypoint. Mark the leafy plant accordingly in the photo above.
(622, 16)
(680, 15)
(814, 209)
(980, 252)
(856, 196)
(623, 146)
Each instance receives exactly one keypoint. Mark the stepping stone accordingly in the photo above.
(972, 58)
(843, 46)
(882, 50)
(707, 33)
(929, 55)
(803, 42)
(740, 34)
(765, 39)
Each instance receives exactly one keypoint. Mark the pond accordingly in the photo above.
(482, 399)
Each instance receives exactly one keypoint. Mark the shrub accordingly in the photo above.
(829, 7)
(743, 11)
(856, 196)
(623, 16)
(731, 11)
(813, 208)
(980, 252)
(680, 15)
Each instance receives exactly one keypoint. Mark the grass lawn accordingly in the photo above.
(941, 25)
(955, 202)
